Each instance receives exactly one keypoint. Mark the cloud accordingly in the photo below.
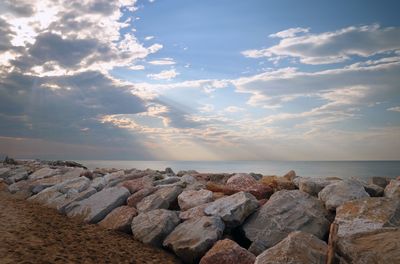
(331, 47)
(289, 33)
(233, 109)
(164, 75)
(136, 67)
(164, 61)
(394, 109)
(148, 38)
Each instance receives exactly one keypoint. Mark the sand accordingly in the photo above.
(30, 233)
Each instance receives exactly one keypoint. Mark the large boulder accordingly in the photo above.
(163, 198)
(43, 173)
(135, 198)
(227, 252)
(119, 219)
(380, 181)
(278, 183)
(233, 209)
(97, 206)
(297, 248)
(339, 192)
(392, 190)
(138, 184)
(152, 227)
(242, 182)
(15, 175)
(374, 190)
(373, 247)
(313, 186)
(367, 214)
(98, 183)
(193, 238)
(192, 198)
(194, 212)
(285, 212)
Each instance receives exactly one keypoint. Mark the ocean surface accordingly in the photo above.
(342, 169)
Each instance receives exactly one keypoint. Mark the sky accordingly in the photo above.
(200, 80)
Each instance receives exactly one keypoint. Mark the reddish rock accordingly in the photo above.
(262, 202)
(218, 195)
(137, 184)
(192, 198)
(219, 178)
(226, 252)
(135, 198)
(290, 175)
(119, 219)
(242, 182)
(195, 212)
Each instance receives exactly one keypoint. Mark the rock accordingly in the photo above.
(367, 214)
(169, 171)
(163, 198)
(313, 186)
(65, 163)
(374, 190)
(192, 198)
(378, 246)
(339, 192)
(290, 175)
(297, 248)
(114, 175)
(138, 184)
(98, 183)
(193, 238)
(188, 172)
(195, 212)
(277, 183)
(256, 176)
(285, 212)
(392, 190)
(219, 178)
(242, 182)
(380, 181)
(233, 209)
(167, 180)
(152, 227)
(79, 184)
(135, 198)
(119, 219)
(227, 252)
(10, 161)
(71, 197)
(43, 173)
(17, 175)
(4, 172)
(97, 206)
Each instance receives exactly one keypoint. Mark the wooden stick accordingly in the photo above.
(332, 243)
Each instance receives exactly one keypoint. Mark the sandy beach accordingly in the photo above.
(30, 233)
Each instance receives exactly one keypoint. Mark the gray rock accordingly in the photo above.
(367, 214)
(161, 199)
(380, 181)
(313, 186)
(195, 212)
(98, 183)
(256, 176)
(233, 209)
(4, 172)
(167, 180)
(79, 184)
(97, 206)
(192, 198)
(43, 173)
(392, 190)
(285, 212)
(71, 197)
(339, 192)
(193, 238)
(374, 190)
(297, 248)
(153, 227)
(15, 175)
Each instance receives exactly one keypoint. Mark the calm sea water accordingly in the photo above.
(343, 169)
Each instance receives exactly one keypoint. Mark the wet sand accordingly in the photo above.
(30, 233)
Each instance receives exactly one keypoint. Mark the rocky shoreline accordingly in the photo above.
(223, 218)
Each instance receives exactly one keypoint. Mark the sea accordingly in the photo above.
(343, 169)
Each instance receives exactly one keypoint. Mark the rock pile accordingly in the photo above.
(223, 218)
